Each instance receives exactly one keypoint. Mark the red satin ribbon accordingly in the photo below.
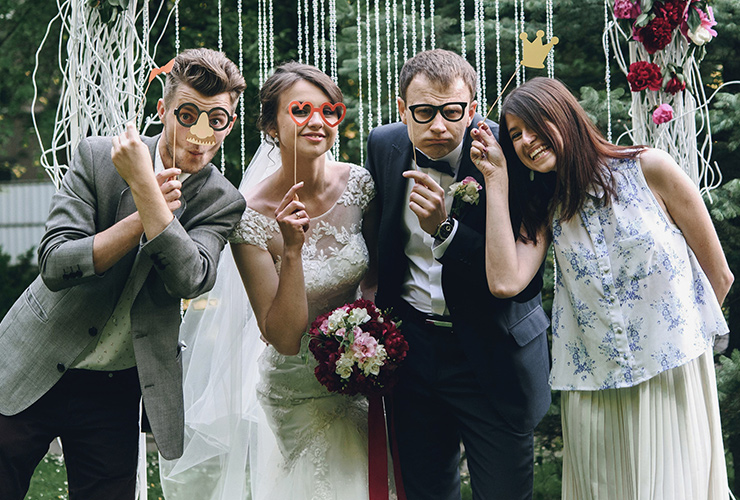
(378, 451)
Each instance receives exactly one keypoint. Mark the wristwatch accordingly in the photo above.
(444, 229)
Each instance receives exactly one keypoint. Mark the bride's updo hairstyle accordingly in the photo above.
(284, 77)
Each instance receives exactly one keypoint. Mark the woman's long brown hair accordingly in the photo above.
(546, 106)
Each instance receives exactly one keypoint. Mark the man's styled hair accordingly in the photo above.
(285, 76)
(439, 66)
(207, 71)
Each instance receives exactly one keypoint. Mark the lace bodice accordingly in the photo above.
(304, 416)
(335, 256)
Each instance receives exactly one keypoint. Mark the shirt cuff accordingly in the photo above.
(439, 247)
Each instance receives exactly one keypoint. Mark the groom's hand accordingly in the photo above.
(427, 201)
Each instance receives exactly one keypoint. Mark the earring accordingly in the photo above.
(531, 175)
(275, 139)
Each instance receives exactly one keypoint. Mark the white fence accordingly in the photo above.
(24, 207)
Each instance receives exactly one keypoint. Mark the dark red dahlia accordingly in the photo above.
(643, 75)
(656, 35)
(675, 85)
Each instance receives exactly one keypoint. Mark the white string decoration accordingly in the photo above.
(549, 26)
(300, 32)
(103, 65)
(607, 71)
(422, 25)
(432, 34)
(678, 137)
(388, 58)
(240, 37)
(405, 32)
(463, 47)
(378, 77)
(482, 41)
(498, 56)
(359, 78)
(220, 48)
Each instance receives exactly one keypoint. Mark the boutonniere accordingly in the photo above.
(466, 191)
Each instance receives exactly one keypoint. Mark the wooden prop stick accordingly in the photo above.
(502, 92)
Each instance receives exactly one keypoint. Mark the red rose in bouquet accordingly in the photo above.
(644, 75)
(358, 349)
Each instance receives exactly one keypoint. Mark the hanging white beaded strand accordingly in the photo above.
(498, 54)
(395, 58)
(516, 42)
(221, 49)
(368, 53)
(422, 25)
(388, 58)
(240, 38)
(405, 31)
(300, 33)
(316, 43)
(463, 47)
(378, 74)
(607, 72)
(549, 33)
(432, 33)
(322, 38)
(413, 26)
(483, 99)
(478, 60)
(361, 111)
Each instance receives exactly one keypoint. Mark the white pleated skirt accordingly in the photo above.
(659, 440)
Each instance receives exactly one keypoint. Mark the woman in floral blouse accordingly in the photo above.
(639, 282)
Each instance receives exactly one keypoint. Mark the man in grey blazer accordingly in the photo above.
(138, 224)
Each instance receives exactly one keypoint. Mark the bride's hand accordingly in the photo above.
(292, 217)
(486, 152)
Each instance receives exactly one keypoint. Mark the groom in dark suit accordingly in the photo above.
(477, 366)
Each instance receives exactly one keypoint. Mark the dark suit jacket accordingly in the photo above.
(505, 339)
(68, 305)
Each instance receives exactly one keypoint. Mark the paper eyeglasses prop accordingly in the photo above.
(534, 57)
(203, 124)
(331, 113)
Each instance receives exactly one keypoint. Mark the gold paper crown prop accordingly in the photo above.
(534, 57)
(535, 52)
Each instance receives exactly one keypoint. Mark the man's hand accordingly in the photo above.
(427, 201)
(131, 156)
(170, 187)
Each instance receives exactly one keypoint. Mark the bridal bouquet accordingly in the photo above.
(358, 349)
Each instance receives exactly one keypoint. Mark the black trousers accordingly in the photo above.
(96, 415)
(438, 403)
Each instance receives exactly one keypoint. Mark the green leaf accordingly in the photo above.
(694, 20)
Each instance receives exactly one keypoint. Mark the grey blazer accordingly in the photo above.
(66, 307)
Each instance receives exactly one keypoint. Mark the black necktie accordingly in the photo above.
(424, 161)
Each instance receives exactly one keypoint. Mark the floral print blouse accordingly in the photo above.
(631, 299)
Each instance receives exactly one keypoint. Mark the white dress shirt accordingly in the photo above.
(422, 287)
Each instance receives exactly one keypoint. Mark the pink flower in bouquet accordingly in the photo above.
(626, 9)
(644, 75)
(662, 114)
(357, 348)
(675, 85)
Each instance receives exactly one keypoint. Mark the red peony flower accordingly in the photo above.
(656, 35)
(675, 85)
(644, 75)
(673, 10)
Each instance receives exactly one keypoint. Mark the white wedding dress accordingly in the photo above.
(316, 445)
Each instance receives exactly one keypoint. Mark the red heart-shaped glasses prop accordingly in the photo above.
(331, 113)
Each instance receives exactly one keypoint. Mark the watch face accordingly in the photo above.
(445, 229)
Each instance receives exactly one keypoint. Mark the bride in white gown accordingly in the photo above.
(301, 251)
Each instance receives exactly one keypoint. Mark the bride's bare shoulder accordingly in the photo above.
(262, 197)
